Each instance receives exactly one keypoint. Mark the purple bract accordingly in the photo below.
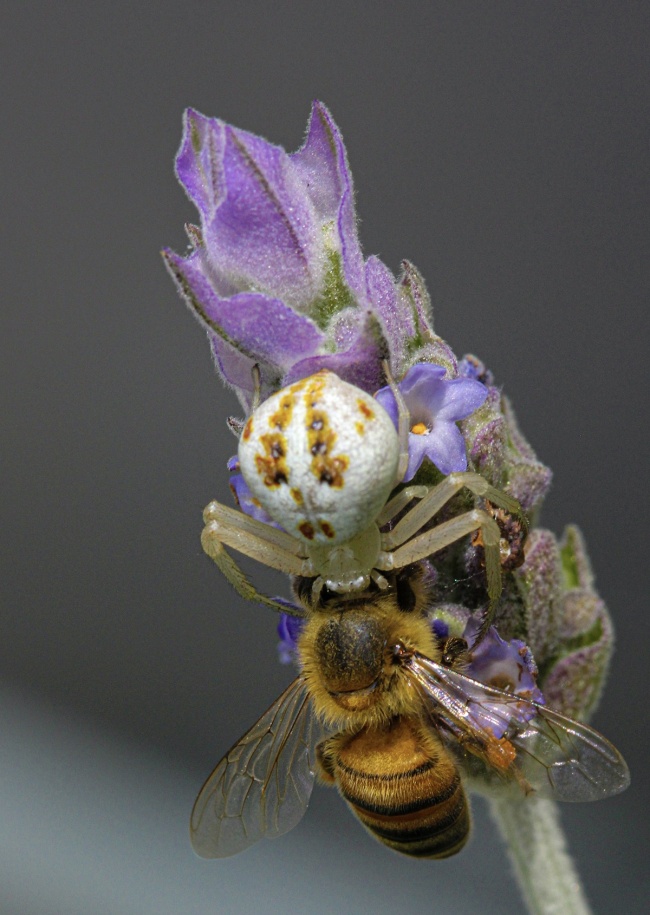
(276, 274)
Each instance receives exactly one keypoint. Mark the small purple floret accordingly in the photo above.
(472, 367)
(508, 666)
(435, 404)
(289, 629)
(440, 629)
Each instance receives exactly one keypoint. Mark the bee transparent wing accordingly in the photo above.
(556, 757)
(261, 788)
(569, 761)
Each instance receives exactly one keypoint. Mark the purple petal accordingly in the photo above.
(413, 286)
(353, 267)
(289, 629)
(445, 446)
(321, 163)
(461, 397)
(472, 367)
(418, 450)
(385, 397)
(437, 403)
(440, 629)
(259, 223)
(246, 501)
(397, 323)
(236, 371)
(265, 232)
(422, 377)
(505, 665)
(266, 328)
(423, 390)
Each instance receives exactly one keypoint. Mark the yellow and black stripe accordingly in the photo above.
(405, 788)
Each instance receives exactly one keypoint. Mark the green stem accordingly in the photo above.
(545, 872)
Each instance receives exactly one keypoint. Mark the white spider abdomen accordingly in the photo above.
(321, 457)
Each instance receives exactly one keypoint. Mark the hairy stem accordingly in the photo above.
(545, 872)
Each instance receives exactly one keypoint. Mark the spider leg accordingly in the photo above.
(407, 550)
(253, 538)
(437, 497)
(257, 387)
(399, 502)
(436, 539)
(403, 422)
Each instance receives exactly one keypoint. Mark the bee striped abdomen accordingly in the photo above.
(405, 788)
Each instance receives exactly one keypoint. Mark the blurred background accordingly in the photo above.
(503, 147)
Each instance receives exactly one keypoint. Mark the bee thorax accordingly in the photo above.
(350, 653)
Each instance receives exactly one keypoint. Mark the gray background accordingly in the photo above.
(503, 147)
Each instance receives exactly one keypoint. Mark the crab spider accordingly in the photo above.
(322, 457)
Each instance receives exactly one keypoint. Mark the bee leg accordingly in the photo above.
(325, 759)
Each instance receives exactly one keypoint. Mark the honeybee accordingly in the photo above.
(404, 721)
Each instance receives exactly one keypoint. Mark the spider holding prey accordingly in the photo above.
(322, 458)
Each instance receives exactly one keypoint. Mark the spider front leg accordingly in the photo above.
(437, 498)
(399, 502)
(406, 550)
(260, 541)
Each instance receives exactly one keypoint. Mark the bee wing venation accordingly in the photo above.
(261, 788)
(557, 757)
(569, 761)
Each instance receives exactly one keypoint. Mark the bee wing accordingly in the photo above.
(556, 757)
(263, 784)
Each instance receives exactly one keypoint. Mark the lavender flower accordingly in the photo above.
(506, 665)
(276, 276)
(435, 404)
